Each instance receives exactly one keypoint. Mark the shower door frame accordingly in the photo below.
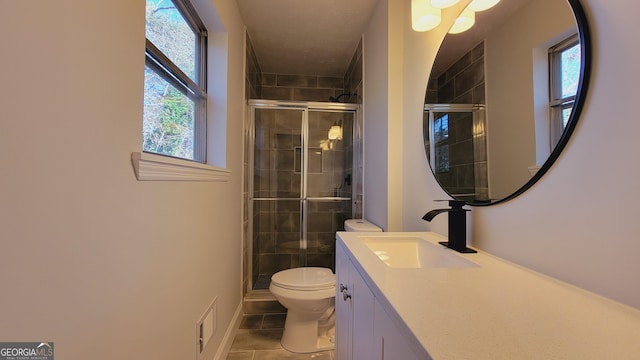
(305, 107)
(478, 112)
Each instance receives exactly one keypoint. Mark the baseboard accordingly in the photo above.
(230, 334)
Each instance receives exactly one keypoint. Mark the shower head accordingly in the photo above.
(337, 98)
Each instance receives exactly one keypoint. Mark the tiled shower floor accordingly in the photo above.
(258, 337)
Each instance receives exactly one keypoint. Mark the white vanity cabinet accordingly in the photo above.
(363, 328)
(495, 310)
(389, 342)
(354, 312)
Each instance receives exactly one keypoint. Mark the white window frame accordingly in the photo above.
(437, 167)
(557, 103)
(150, 166)
(196, 90)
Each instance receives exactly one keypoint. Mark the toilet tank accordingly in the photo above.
(360, 225)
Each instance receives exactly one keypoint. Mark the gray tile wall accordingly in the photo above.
(353, 77)
(253, 71)
(300, 87)
(276, 225)
(353, 86)
(463, 83)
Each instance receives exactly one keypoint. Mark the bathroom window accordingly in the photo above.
(174, 120)
(564, 76)
(441, 139)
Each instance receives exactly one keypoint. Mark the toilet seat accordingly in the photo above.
(305, 279)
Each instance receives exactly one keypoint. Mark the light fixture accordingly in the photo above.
(335, 132)
(480, 5)
(442, 4)
(463, 22)
(424, 17)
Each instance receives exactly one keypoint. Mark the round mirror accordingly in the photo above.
(504, 97)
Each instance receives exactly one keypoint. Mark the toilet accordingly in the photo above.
(360, 225)
(309, 293)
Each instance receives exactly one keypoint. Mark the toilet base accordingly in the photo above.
(301, 335)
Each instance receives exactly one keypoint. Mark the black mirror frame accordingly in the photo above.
(585, 73)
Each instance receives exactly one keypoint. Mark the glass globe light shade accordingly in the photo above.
(335, 133)
(464, 22)
(424, 17)
(480, 5)
(442, 4)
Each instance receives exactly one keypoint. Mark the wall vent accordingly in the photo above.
(206, 326)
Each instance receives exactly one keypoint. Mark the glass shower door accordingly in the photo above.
(302, 185)
(277, 192)
(455, 143)
(329, 182)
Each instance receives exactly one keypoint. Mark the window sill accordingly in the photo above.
(152, 167)
(533, 170)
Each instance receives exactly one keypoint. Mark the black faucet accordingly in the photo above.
(457, 225)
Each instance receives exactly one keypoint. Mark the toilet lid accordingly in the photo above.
(305, 278)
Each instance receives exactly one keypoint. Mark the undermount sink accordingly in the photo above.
(414, 253)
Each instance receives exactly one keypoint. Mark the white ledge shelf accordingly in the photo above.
(152, 167)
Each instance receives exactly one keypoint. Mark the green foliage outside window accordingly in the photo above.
(168, 118)
(169, 109)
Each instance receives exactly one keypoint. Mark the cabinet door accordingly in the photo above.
(389, 344)
(354, 312)
(344, 312)
(363, 318)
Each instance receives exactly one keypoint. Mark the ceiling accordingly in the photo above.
(302, 37)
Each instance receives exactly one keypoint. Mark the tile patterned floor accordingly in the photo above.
(259, 335)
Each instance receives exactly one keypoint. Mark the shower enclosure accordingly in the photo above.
(455, 143)
(302, 179)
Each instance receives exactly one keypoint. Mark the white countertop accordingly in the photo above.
(498, 310)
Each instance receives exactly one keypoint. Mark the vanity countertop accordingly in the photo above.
(498, 310)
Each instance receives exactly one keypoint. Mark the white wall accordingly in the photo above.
(105, 266)
(579, 222)
(420, 188)
(376, 107)
(383, 133)
(509, 60)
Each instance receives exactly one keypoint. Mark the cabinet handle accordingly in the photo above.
(345, 292)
